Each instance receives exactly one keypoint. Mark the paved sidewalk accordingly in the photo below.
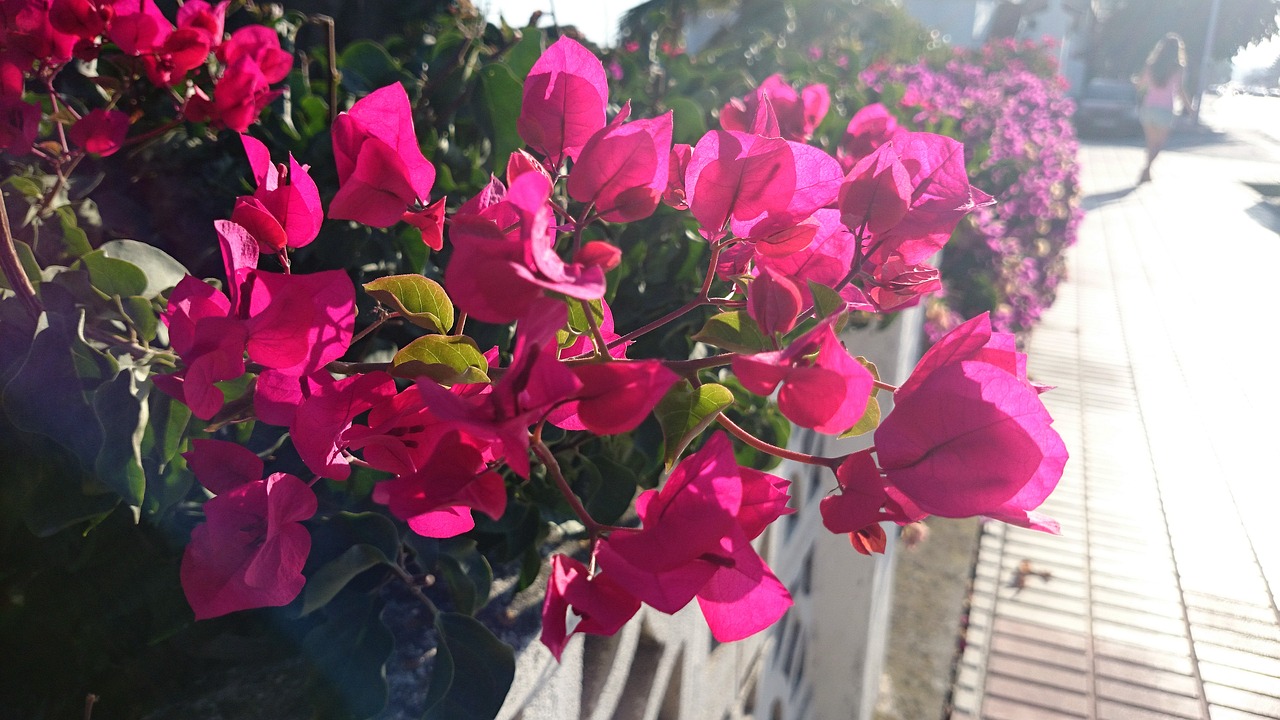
(1159, 598)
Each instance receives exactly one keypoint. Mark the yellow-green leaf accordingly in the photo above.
(447, 359)
(685, 411)
(112, 276)
(735, 331)
(421, 301)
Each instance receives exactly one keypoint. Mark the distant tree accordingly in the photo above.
(1131, 29)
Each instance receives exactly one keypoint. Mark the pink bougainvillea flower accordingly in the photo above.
(564, 101)
(28, 36)
(897, 286)
(876, 194)
(576, 602)
(968, 434)
(623, 168)
(209, 21)
(320, 425)
(86, 19)
(210, 342)
(940, 196)
(674, 194)
(756, 186)
(100, 131)
(615, 396)
(239, 97)
(381, 169)
(299, 323)
(797, 114)
(250, 550)
(293, 324)
(695, 541)
(261, 45)
(138, 28)
(430, 222)
(870, 127)
(827, 391)
(285, 208)
(19, 125)
(437, 499)
(773, 302)
(496, 277)
(534, 383)
(865, 500)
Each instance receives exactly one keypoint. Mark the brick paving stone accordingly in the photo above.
(998, 708)
(1264, 705)
(1043, 652)
(1232, 657)
(1136, 673)
(1034, 694)
(1074, 681)
(1173, 705)
(1217, 712)
(1239, 678)
(1115, 710)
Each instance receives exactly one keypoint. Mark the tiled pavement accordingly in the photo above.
(1160, 597)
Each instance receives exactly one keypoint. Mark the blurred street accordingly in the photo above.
(1159, 599)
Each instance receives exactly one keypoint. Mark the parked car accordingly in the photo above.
(1108, 106)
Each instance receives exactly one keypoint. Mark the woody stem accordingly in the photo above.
(12, 268)
(774, 450)
(553, 471)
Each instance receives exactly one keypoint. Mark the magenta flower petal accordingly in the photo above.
(744, 597)
(250, 550)
(564, 101)
(221, 466)
(578, 603)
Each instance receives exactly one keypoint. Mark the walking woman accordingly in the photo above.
(1162, 81)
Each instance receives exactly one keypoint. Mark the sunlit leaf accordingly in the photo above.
(419, 300)
(685, 411)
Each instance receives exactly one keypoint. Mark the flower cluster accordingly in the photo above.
(444, 436)
(786, 223)
(1007, 97)
(223, 80)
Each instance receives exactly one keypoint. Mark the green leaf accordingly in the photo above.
(166, 486)
(473, 671)
(52, 482)
(161, 270)
(421, 301)
(467, 574)
(311, 115)
(121, 409)
(28, 187)
(685, 411)
(497, 106)
(112, 276)
(734, 330)
(447, 359)
(612, 488)
(45, 396)
(349, 654)
(74, 240)
(346, 529)
(334, 575)
(142, 315)
(367, 66)
(689, 123)
(869, 421)
(578, 324)
(825, 300)
(30, 265)
(521, 57)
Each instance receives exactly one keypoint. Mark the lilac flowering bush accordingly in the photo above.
(1010, 108)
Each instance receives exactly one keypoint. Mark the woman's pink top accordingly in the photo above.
(1161, 96)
